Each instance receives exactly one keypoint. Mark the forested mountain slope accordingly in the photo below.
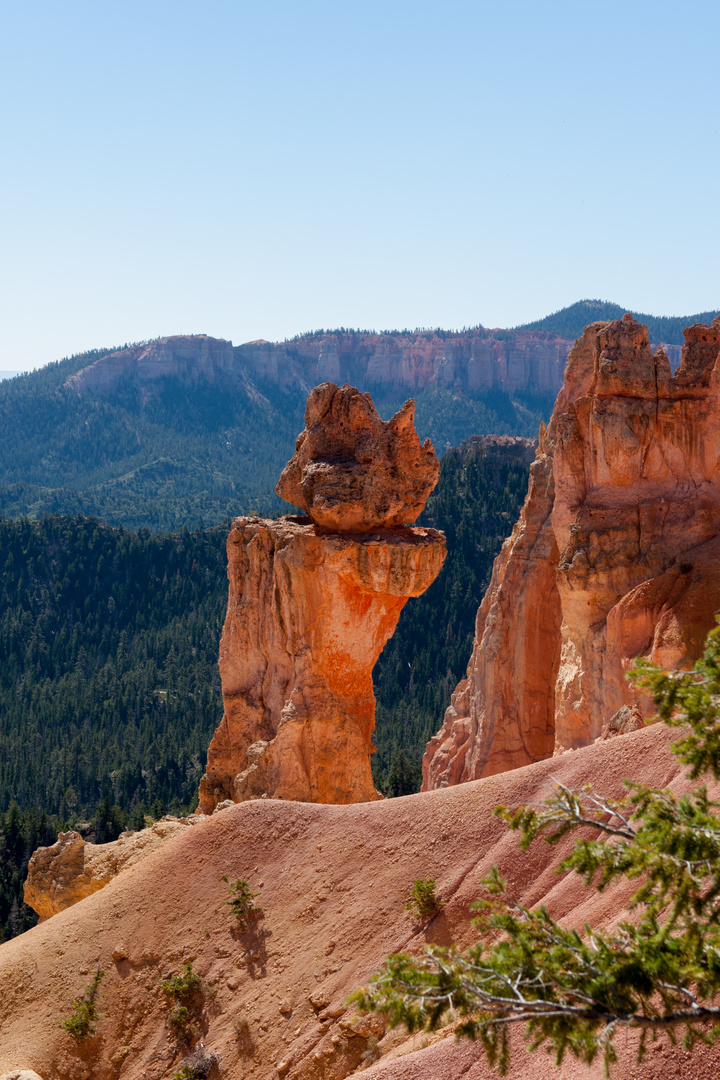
(569, 322)
(109, 684)
(187, 431)
(174, 456)
(477, 500)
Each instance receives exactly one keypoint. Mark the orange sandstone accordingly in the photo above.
(71, 869)
(310, 610)
(308, 615)
(351, 471)
(616, 555)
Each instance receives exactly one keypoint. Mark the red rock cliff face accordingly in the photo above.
(616, 555)
(475, 361)
(312, 602)
(190, 359)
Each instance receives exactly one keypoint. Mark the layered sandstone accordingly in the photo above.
(310, 609)
(616, 555)
(474, 362)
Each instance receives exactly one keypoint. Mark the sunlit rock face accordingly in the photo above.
(312, 602)
(71, 868)
(616, 555)
(352, 471)
(191, 359)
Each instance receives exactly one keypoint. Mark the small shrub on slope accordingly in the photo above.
(186, 995)
(240, 901)
(423, 901)
(83, 1019)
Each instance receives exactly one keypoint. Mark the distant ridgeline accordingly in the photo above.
(191, 430)
(663, 329)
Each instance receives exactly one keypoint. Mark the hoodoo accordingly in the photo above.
(616, 555)
(312, 601)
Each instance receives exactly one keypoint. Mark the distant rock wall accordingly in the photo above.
(510, 448)
(475, 361)
(190, 360)
(616, 555)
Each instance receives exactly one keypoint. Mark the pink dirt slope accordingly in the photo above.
(333, 882)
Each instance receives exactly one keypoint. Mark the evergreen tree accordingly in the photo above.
(476, 503)
(403, 778)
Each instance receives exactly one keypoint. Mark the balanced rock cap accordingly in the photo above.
(353, 471)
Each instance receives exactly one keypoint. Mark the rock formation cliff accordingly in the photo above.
(474, 362)
(616, 555)
(312, 602)
(189, 359)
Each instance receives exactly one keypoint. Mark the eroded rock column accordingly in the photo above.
(313, 600)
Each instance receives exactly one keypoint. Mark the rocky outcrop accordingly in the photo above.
(616, 555)
(308, 615)
(310, 610)
(475, 361)
(71, 869)
(628, 718)
(190, 360)
(351, 471)
(505, 448)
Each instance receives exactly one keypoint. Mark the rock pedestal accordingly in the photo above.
(312, 602)
(616, 555)
(308, 615)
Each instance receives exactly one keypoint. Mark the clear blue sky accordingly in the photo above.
(256, 169)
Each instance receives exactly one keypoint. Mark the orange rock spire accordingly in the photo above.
(310, 609)
(616, 555)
